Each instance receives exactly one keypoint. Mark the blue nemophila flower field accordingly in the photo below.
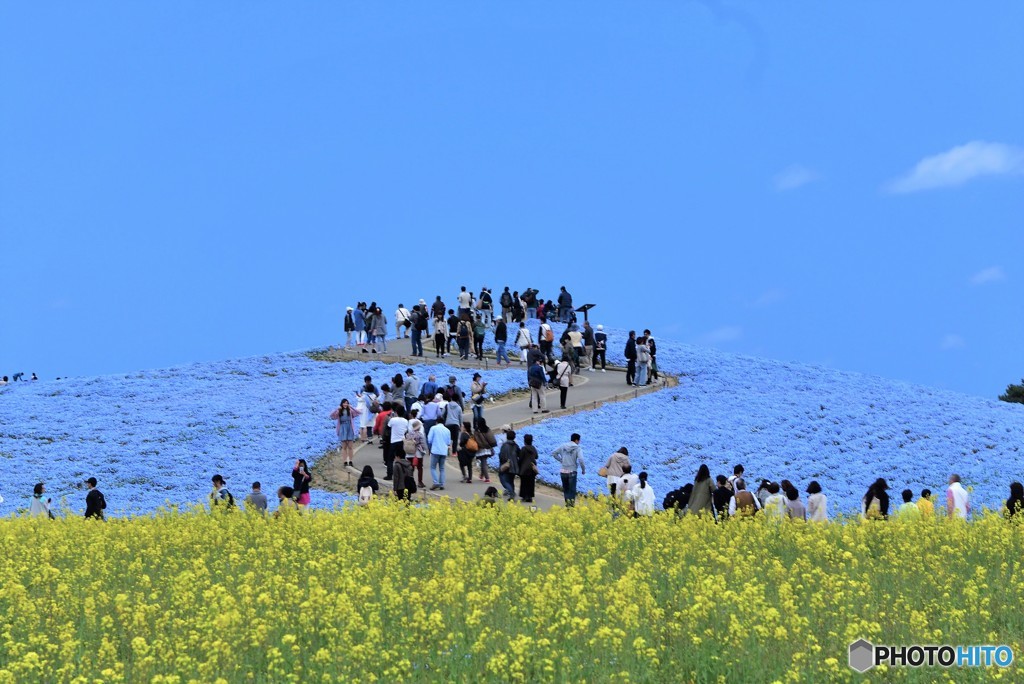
(156, 437)
(801, 422)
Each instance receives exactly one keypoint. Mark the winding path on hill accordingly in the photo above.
(590, 391)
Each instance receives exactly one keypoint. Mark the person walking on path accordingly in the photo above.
(523, 341)
(653, 349)
(564, 305)
(431, 410)
(398, 425)
(614, 467)
(300, 482)
(500, 339)
(536, 378)
(465, 300)
(600, 347)
(412, 388)
(701, 497)
(256, 500)
(485, 445)
(570, 458)
(527, 469)
(404, 484)
(477, 393)
(958, 502)
(418, 321)
(350, 327)
(451, 417)
(402, 316)
(508, 464)
(643, 360)
(359, 321)
(630, 354)
(465, 454)
(414, 445)
(546, 339)
(440, 336)
(563, 373)
(587, 359)
(463, 335)
(95, 503)
(479, 333)
(380, 331)
(439, 440)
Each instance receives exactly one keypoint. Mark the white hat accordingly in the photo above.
(348, 309)
(600, 327)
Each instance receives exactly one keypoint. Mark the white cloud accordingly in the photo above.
(952, 342)
(729, 333)
(794, 177)
(959, 165)
(992, 274)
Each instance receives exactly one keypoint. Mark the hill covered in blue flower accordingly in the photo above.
(799, 422)
(155, 437)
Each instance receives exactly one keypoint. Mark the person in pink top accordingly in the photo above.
(958, 502)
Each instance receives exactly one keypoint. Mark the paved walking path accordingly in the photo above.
(590, 390)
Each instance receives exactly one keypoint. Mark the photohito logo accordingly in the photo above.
(864, 655)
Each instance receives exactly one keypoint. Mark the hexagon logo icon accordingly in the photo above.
(862, 655)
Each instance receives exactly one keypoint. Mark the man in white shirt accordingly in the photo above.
(465, 302)
(399, 425)
(958, 501)
(401, 316)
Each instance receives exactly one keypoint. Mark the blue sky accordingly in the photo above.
(838, 183)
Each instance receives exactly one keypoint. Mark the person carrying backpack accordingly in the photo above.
(418, 322)
(220, 497)
(506, 305)
(463, 335)
(95, 504)
(405, 484)
(367, 486)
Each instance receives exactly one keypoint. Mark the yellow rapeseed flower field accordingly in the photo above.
(465, 592)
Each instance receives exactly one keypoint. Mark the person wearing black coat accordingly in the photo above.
(877, 492)
(95, 504)
(630, 355)
(527, 469)
(1015, 504)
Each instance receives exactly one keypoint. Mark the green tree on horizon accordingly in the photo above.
(1014, 393)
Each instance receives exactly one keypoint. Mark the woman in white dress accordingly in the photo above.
(366, 417)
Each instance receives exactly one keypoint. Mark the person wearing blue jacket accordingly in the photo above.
(360, 323)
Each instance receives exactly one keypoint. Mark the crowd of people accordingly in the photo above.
(465, 327)
(724, 497)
